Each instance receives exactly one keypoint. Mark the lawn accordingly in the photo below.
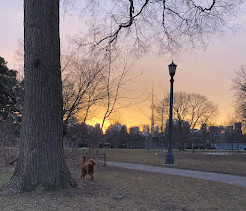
(234, 163)
(120, 189)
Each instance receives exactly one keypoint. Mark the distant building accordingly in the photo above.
(229, 129)
(214, 130)
(229, 134)
(136, 139)
(203, 128)
(134, 131)
(213, 134)
(238, 128)
(221, 129)
(146, 129)
(114, 128)
(124, 128)
(156, 129)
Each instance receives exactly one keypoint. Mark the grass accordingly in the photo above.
(120, 189)
(234, 163)
(231, 164)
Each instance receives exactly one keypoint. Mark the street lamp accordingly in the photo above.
(169, 156)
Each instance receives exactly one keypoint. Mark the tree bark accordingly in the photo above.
(41, 161)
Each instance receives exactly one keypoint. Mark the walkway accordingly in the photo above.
(217, 177)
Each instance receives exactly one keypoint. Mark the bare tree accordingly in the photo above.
(202, 110)
(141, 24)
(193, 108)
(82, 87)
(113, 87)
(162, 109)
(94, 81)
(239, 88)
(230, 120)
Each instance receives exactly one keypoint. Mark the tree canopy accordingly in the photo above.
(9, 92)
(161, 24)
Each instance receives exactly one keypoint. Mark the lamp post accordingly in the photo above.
(169, 156)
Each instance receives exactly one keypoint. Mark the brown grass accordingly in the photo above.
(121, 189)
(230, 164)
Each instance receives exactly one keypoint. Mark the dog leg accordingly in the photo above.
(83, 173)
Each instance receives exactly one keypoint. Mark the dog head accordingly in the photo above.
(92, 162)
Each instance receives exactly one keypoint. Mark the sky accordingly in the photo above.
(208, 72)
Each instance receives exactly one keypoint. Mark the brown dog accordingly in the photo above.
(88, 167)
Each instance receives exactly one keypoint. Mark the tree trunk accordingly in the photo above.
(41, 161)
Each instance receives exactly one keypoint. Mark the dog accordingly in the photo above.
(88, 167)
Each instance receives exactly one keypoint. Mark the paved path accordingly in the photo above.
(217, 177)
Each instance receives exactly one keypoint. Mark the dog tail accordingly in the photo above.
(84, 159)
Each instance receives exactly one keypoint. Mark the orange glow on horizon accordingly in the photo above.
(94, 121)
(134, 118)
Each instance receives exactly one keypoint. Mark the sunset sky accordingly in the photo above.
(208, 72)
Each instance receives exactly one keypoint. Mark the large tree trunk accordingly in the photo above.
(41, 161)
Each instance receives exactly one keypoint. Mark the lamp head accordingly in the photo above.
(172, 69)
